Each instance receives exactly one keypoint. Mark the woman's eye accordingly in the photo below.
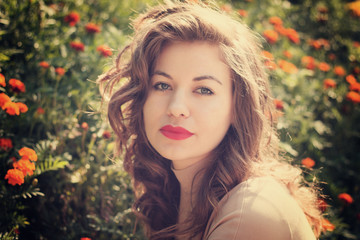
(204, 91)
(161, 86)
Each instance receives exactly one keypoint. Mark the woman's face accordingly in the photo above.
(188, 109)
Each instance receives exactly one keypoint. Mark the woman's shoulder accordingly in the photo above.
(259, 208)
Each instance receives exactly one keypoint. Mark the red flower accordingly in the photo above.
(85, 238)
(14, 176)
(279, 105)
(287, 67)
(106, 135)
(350, 79)
(271, 36)
(309, 62)
(25, 166)
(308, 162)
(322, 9)
(22, 107)
(28, 153)
(5, 144)
(353, 96)
(356, 44)
(2, 80)
(242, 13)
(72, 18)
(17, 85)
(322, 205)
(329, 83)
(40, 110)
(340, 71)
(44, 64)
(77, 45)
(11, 108)
(276, 21)
(92, 28)
(327, 225)
(332, 56)
(60, 71)
(346, 198)
(104, 50)
(3, 99)
(323, 66)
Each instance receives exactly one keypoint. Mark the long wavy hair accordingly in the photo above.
(249, 148)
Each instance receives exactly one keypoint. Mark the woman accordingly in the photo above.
(194, 122)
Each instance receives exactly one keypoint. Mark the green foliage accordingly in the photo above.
(78, 190)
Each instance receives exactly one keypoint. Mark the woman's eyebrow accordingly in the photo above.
(205, 77)
(200, 78)
(163, 74)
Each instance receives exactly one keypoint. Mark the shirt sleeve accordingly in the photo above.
(259, 209)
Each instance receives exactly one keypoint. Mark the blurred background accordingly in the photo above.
(58, 177)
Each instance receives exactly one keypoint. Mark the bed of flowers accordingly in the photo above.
(58, 179)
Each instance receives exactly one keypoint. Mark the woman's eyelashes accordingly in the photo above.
(161, 86)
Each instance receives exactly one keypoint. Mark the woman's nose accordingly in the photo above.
(178, 105)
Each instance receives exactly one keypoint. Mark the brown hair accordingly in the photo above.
(250, 145)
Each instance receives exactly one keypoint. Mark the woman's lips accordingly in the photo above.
(175, 133)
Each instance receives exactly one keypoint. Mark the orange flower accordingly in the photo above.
(92, 28)
(327, 225)
(44, 64)
(85, 238)
(350, 79)
(40, 110)
(319, 43)
(242, 13)
(5, 144)
(355, 8)
(308, 162)
(269, 60)
(72, 18)
(309, 62)
(323, 66)
(356, 70)
(292, 35)
(287, 54)
(329, 83)
(17, 85)
(279, 105)
(22, 107)
(355, 87)
(77, 45)
(346, 198)
(14, 176)
(2, 80)
(3, 99)
(356, 44)
(332, 56)
(28, 153)
(11, 108)
(276, 21)
(85, 126)
(60, 71)
(340, 71)
(226, 7)
(25, 166)
(104, 50)
(287, 67)
(353, 96)
(322, 9)
(271, 36)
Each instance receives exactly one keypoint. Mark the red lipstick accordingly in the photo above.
(175, 133)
